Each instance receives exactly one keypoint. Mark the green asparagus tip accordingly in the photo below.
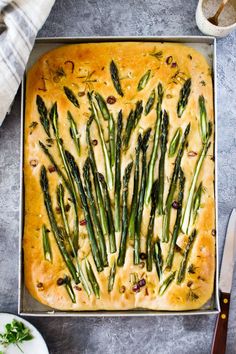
(158, 259)
(175, 142)
(115, 78)
(71, 96)
(183, 97)
(69, 289)
(166, 283)
(183, 265)
(144, 80)
(46, 245)
(54, 117)
(111, 279)
(145, 140)
(92, 279)
(160, 92)
(204, 127)
(43, 113)
(150, 102)
(102, 106)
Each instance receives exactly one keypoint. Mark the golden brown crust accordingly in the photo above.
(134, 60)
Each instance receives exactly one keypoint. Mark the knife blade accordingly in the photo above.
(229, 255)
(225, 285)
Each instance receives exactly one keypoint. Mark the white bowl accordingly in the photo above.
(35, 346)
(207, 27)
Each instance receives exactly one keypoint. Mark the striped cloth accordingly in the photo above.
(20, 20)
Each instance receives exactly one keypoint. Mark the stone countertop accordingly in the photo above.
(177, 334)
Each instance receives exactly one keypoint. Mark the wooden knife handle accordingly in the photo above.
(220, 335)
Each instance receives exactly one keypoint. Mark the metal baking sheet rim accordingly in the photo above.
(21, 287)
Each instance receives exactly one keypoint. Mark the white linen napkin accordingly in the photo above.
(20, 21)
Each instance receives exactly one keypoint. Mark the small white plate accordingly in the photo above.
(36, 346)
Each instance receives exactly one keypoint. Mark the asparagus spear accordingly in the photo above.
(61, 205)
(55, 229)
(183, 97)
(111, 125)
(197, 201)
(74, 132)
(69, 289)
(150, 102)
(115, 78)
(54, 121)
(149, 248)
(190, 199)
(172, 187)
(108, 168)
(43, 112)
(103, 106)
(203, 120)
(158, 259)
(166, 283)
(175, 142)
(123, 241)
(128, 129)
(138, 112)
(153, 158)
(183, 265)
(161, 175)
(134, 203)
(71, 96)
(141, 197)
(57, 168)
(132, 121)
(170, 255)
(112, 275)
(117, 170)
(46, 245)
(92, 279)
(206, 130)
(94, 247)
(111, 228)
(68, 186)
(100, 202)
(144, 80)
(93, 209)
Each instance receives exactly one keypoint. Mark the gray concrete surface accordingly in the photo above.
(185, 335)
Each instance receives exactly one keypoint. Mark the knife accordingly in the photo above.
(225, 285)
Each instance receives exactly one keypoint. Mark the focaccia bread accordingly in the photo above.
(77, 162)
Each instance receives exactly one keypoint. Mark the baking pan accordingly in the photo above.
(27, 305)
